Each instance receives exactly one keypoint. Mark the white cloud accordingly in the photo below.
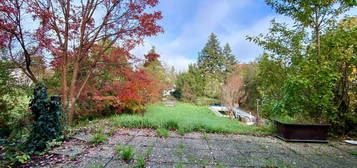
(180, 62)
(208, 18)
(141, 50)
(211, 16)
(244, 50)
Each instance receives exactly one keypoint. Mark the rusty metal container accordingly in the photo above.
(302, 132)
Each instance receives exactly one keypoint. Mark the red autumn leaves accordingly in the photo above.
(77, 36)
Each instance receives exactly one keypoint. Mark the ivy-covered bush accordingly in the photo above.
(47, 119)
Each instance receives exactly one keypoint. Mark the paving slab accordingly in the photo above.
(254, 139)
(143, 141)
(221, 144)
(344, 147)
(146, 132)
(315, 149)
(165, 155)
(262, 139)
(333, 162)
(227, 158)
(257, 159)
(116, 163)
(276, 148)
(101, 151)
(198, 157)
(119, 139)
(246, 147)
(127, 131)
(83, 136)
(87, 163)
(174, 134)
(169, 142)
(184, 165)
(218, 137)
(195, 143)
(160, 165)
(206, 150)
(193, 135)
(328, 150)
(69, 150)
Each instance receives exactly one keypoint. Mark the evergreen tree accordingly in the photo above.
(191, 84)
(230, 59)
(154, 66)
(211, 58)
(171, 75)
(199, 78)
(215, 64)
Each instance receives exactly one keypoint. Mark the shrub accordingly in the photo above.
(14, 157)
(14, 101)
(134, 107)
(47, 119)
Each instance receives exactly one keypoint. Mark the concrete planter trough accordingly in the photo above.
(302, 132)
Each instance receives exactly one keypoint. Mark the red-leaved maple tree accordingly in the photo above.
(118, 87)
(17, 40)
(70, 31)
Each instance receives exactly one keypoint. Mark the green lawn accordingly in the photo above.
(185, 118)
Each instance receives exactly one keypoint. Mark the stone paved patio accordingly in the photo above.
(204, 150)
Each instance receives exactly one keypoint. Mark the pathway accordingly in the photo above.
(204, 150)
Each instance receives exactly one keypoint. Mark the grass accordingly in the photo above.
(162, 132)
(140, 163)
(185, 118)
(353, 153)
(207, 101)
(180, 149)
(272, 164)
(179, 165)
(126, 153)
(98, 137)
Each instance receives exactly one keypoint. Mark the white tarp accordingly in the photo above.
(248, 118)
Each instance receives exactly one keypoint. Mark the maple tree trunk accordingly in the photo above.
(72, 98)
(65, 60)
(28, 69)
(84, 83)
(64, 84)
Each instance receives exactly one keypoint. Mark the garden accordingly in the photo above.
(73, 81)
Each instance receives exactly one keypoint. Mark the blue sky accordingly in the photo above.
(188, 23)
